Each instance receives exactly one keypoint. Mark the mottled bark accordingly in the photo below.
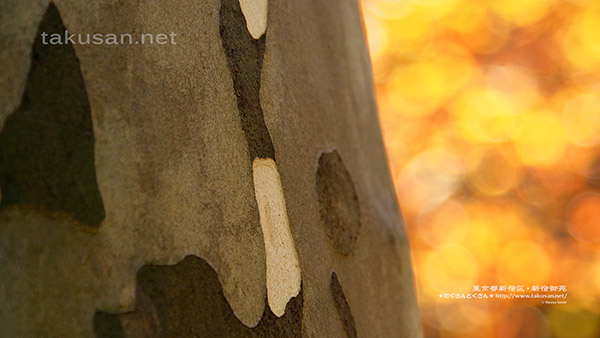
(231, 184)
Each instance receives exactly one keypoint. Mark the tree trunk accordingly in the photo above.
(229, 182)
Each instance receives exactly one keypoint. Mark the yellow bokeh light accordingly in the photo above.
(596, 275)
(524, 262)
(451, 269)
(521, 12)
(491, 226)
(438, 8)
(580, 39)
(485, 115)
(389, 9)
(377, 37)
(541, 140)
(417, 30)
(420, 87)
(467, 17)
(491, 115)
(581, 119)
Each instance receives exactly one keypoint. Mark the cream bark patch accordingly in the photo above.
(283, 269)
(255, 12)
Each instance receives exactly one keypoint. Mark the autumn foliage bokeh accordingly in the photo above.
(490, 112)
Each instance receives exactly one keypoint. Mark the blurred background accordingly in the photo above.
(490, 112)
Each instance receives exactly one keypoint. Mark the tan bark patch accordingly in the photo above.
(255, 12)
(283, 269)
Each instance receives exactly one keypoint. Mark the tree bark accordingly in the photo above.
(232, 182)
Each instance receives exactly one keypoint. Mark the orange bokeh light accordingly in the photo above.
(490, 112)
(584, 217)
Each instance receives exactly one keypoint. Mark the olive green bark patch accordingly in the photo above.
(47, 144)
(338, 202)
(245, 60)
(186, 300)
(108, 326)
(342, 306)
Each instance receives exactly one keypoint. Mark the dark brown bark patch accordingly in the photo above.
(338, 202)
(142, 322)
(342, 306)
(245, 59)
(47, 144)
(186, 300)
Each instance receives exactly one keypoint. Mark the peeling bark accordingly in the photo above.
(198, 189)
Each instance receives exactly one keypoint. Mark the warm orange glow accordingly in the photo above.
(461, 318)
(424, 85)
(485, 115)
(492, 171)
(524, 263)
(540, 140)
(521, 12)
(584, 218)
(580, 38)
(445, 225)
(523, 321)
(490, 111)
(581, 119)
(452, 269)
